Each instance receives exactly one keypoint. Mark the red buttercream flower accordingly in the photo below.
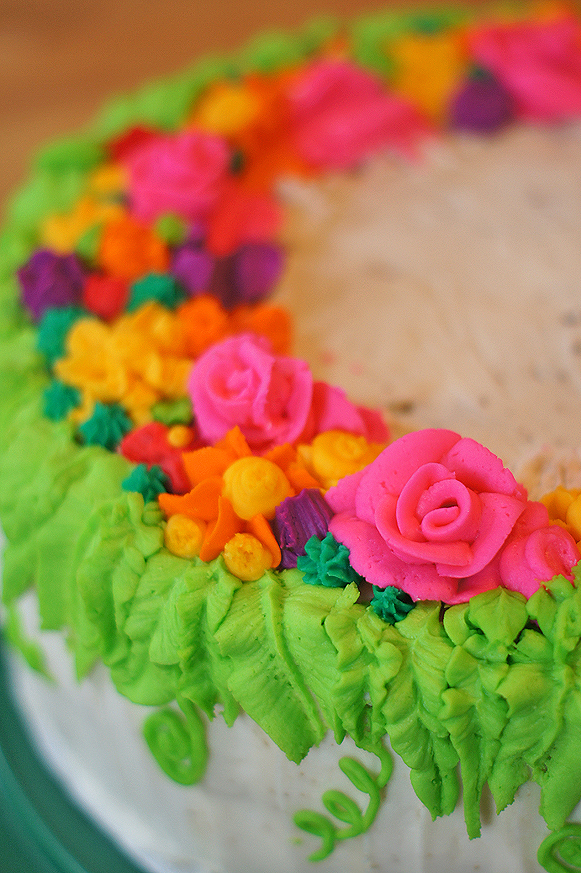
(152, 444)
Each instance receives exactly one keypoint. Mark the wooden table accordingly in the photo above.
(60, 59)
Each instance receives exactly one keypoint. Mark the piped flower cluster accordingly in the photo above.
(148, 294)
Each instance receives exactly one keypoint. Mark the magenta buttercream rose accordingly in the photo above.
(433, 515)
(340, 114)
(241, 382)
(183, 174)
(271, 398)
(538, 62)
(536, 551)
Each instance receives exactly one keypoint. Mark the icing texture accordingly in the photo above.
(439, 517)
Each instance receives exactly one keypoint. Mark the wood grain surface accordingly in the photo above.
(60, 59)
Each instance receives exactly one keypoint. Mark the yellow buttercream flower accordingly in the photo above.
(132, 361)
(335, 454)
(108, 180)
(564, 507)
(62, 232)
(246, 558)
(428, 68)
(183, 536)
(227, 108)
(255, 486)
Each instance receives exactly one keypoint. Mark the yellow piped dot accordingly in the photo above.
(246, 558)
(255, 486)
(183, 536)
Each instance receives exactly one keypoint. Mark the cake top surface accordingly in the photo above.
(239, 511)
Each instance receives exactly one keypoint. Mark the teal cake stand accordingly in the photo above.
(41, 830)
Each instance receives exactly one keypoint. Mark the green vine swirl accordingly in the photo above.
(178, 743)
(343, 808)
(560, 852)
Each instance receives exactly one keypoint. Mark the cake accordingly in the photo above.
(271, 602)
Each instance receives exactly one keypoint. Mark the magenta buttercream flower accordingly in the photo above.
(183, 174)
(539, 63)
(331, 409)
(536, 551)
(240, 381)
(432, 515)
(340, 114)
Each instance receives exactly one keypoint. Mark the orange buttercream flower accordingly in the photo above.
(130, 249)
(236, 492)
(273, 322)
(204, 322)
(258, 126)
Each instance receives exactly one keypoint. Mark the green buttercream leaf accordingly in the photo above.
(264, 678)
(114, 561)
(202, 606)
(30, 650)
(77, 153)
(500, 614)
(305, 612)
(352, 659)
(412, 706)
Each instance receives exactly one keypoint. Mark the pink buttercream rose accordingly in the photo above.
(241, 382)
(536, 551)
(183, 173)
(340, 114)
(271, 398)
(432, 515)
(538, 62)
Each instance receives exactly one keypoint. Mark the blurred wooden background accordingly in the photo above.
(60, 59)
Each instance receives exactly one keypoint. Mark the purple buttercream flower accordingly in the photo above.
(192, 266)
(247, 275)
(297, 519)
(257, 266)
(50, 281)
(482, 104)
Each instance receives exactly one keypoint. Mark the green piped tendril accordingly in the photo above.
(178, 744)
(560, 852)
(343, 808)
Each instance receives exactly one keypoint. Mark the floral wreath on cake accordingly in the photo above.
(226, 497)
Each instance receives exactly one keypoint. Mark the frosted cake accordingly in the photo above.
(293, 622)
